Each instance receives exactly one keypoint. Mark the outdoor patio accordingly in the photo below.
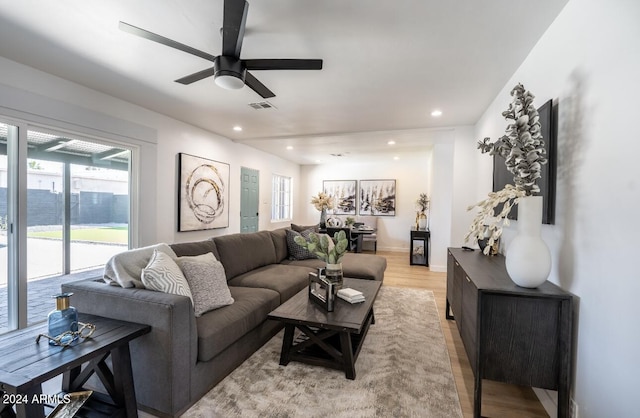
(87, 259)
(40, 296)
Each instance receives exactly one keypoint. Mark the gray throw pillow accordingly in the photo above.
(296, 252)
(300, 228)
(208, 282)
(163, 275)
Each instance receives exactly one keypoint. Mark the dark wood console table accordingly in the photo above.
(511, 334)
(25, 365)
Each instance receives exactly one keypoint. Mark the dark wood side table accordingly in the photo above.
(25, 365)
(419, 251)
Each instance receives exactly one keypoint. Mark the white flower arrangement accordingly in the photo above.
(323, 201)
(486, 225)
(523, 150)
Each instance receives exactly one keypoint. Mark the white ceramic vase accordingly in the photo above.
(422, 221)
(528, 259)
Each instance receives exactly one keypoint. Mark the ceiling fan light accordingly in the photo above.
(229, 82)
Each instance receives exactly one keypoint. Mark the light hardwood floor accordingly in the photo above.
(498, 399)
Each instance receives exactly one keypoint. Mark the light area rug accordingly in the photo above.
(403, 370)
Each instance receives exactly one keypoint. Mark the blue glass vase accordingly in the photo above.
(64, 318)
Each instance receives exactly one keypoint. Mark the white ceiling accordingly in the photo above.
(387, 64)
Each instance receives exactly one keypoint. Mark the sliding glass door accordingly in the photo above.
(11, 287)
(64, 209)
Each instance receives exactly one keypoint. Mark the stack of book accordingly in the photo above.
(351, 295)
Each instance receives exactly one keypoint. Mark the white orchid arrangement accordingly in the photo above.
(523, 150)
(323, 201)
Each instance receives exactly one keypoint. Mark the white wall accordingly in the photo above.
(32, 95)
(411, 172)
(465, 181)
(175, 137)
(443, 170)
(588, 61)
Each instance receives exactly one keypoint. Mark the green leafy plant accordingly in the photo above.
(349, 221)
(423, 202)
(320, 246)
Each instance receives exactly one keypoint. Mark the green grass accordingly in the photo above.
(116, 235)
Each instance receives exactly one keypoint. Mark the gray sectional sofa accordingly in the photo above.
(185, 356)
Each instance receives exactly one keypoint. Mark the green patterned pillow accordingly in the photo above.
(163, 275)
(296, 252)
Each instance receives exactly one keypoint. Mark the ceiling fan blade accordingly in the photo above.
(196, 76)
(257, 86)
(234, 21)
(283, 64)
(164, 41)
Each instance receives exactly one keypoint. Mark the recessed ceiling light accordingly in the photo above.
(318, 161)
(289, 147)
(237, 128)
(436, 113)
(396, 158)
(392, 142)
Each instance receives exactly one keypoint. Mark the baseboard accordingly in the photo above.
(394, 249)
(549, 400)
(439, 269)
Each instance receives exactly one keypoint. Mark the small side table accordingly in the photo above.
(25, 364)
(419, 251)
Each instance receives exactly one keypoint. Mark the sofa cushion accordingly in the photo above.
(311, 263)
(364, 266)
(125, 269)
(163, 275)
(297, 252)
(286, 280)
(220, 328)
(240, 253)
(207, 282)
(279, 238)
(300, 228)
(354, 265)
(189, 249)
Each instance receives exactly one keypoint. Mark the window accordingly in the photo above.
(281, 198)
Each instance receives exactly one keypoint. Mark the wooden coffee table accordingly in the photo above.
(329, 339)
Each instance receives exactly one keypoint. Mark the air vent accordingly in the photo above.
(262, 105)
(340, 154)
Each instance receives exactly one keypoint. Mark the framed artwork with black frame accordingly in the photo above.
(548, 114)
(377, 197)
(203, 193)
(345, 194)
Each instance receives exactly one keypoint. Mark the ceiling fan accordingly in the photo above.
(229, 70)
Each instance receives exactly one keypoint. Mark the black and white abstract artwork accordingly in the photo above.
(344, 193)
(203, 194)
(377, 197)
